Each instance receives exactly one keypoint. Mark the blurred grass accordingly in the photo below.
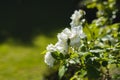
(18, 62)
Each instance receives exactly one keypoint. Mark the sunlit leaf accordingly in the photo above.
(44, 52)
(62, 71)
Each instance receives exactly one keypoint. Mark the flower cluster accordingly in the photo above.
(67, 38)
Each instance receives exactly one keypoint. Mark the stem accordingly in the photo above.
(108, 77)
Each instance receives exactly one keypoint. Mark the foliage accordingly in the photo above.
(88, 51)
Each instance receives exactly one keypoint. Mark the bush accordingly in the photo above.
(88, 51)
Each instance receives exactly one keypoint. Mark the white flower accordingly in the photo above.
(62, 47)
(49, 60)
(77, 34)
(78, 31)
(64, 35)
(76, 17)
(51, 48)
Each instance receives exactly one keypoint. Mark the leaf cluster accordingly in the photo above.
(98, 51)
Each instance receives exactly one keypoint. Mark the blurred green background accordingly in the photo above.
(26, 28)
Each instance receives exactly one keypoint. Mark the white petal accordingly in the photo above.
(51, 48)
(62, 47)
(76, 17)
(49, 60)
(62, 36)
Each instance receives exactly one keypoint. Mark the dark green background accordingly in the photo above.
(24, 19)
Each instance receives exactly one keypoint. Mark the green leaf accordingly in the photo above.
(93, 5)
(61, 56)
(83, 48)
(97, 51)
(44, 52)
(87, 31)
(68, 41)
(67, 56)
(62, 71)
(55, 55)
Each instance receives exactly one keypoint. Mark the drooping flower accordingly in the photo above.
(49, 60)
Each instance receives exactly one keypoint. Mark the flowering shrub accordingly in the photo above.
(88, 51)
